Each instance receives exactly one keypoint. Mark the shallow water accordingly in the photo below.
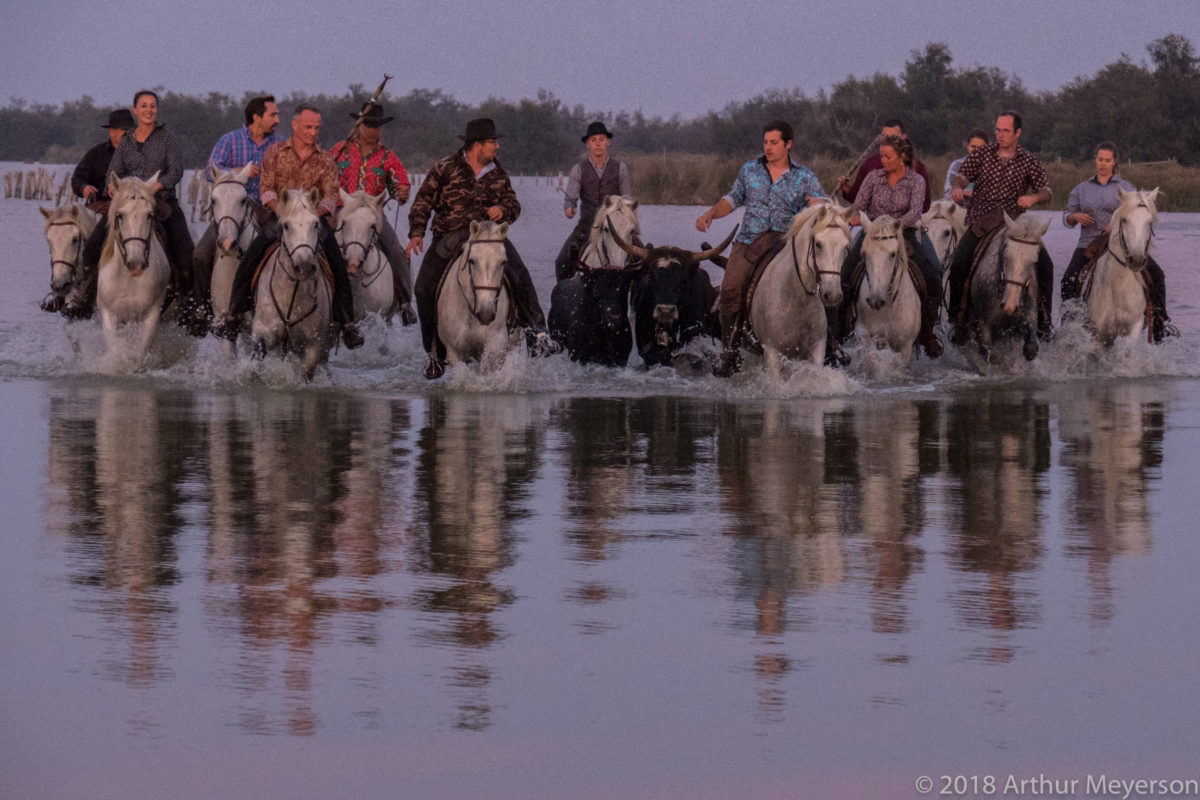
(557, 581)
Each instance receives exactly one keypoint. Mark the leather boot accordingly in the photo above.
(730, 360)
(930, 307)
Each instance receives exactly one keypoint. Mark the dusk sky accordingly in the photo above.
(682, 58)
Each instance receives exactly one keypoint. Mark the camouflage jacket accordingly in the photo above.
(455, 198)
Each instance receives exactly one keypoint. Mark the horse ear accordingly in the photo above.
(503, 230)
(45, 213)
(244, 173)
(212, 172)
(864, 219)
(1008, 221)
(1121, 193)
(114, 183)
(284, 194)
(342, 194)
(1045, 227)
(1152, 197)
(314, 195)
(474, 227)
(381, 198)
(154, 178)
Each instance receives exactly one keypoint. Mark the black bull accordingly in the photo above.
(589, 315)
(672, 298)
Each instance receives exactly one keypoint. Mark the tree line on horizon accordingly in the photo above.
(1151, 111)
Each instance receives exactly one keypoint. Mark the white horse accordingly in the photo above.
(67, 228)
(1116, 291)
(1004, 288)
(133, 272)
(787, 311)
(293, 300)
(472, 302)
(888, 308)
(616, 214)
(359, 224)
(944, 223)
(233, 214)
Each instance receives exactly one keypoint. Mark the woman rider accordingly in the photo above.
(1091, 206)
(898, 191)
(148, 149)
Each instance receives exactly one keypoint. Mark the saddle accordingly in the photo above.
(322, 264)
(985, 241)
(758, 269)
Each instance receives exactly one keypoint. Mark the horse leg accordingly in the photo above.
(149, 328)
(1031, 344)
(773, 362)
(985, 341)
(109, 323)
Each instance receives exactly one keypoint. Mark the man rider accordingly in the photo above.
(468, 186)
(590, 181)
(365, 164)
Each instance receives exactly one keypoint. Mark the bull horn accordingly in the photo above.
(712, 251)
(637, 252)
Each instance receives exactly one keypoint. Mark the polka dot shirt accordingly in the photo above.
(999, 181)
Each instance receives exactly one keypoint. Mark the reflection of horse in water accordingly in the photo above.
(998, 448)
(478, 456)
(889, 508)
(1112, 440)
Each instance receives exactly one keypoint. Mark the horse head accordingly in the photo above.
(131, 219)
(485, 259)
(944, 223)
(1133, 227)
(229, 206)
(820, 235)
(299, 228)
(359, 224)
(884, 259)
(618, 214)
(67, 228)
(1018, 270)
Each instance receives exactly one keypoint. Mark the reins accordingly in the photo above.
(810, 260)
(295, 279)
(466, 256)
(78, 246)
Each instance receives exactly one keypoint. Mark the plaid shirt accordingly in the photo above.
(902, 201)
(999, 182)
(235, 150)
(382, 169)
(283, 169)
(770, 206)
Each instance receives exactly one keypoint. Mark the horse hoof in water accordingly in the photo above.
(260, 350)
(1030, 350)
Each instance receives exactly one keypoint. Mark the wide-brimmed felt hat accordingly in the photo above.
(480, 129)
(372, 115)
(595, 128)
(121, 118)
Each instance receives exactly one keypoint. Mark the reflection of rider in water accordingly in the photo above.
(590, 181)
(1091, 206)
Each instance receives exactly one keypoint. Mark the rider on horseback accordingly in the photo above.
(469, 186)
(365, 164)
(588, 184)
(297, 163)
(897, 190)
(233, 151)
(774, 189)
(1091, 206)
(147, 150)
(1008, 178)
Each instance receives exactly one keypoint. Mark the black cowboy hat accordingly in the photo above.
(595, 128)
(372, 116)
(121, 118)
(480, 129)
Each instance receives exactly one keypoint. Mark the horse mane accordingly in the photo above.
(1026, 226)
(357, 200)
(78, 214)
(812, 214)
(876, 224)
(488, 230)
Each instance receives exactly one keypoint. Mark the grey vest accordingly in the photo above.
(593, 189)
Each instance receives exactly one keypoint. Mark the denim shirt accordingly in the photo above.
(235, 150)
(1098, 199)
(770, 206)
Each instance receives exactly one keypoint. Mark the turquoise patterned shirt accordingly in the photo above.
(770, 206)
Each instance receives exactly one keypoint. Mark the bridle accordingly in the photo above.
(606, 261)
(78, 246)
(246, 219)
(1002, 277)
(475, 287)
(1138, 265)
(953, 230)
(900, 260)
(810, 261)
(290, 274)
(122, 238)
(368, 277)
